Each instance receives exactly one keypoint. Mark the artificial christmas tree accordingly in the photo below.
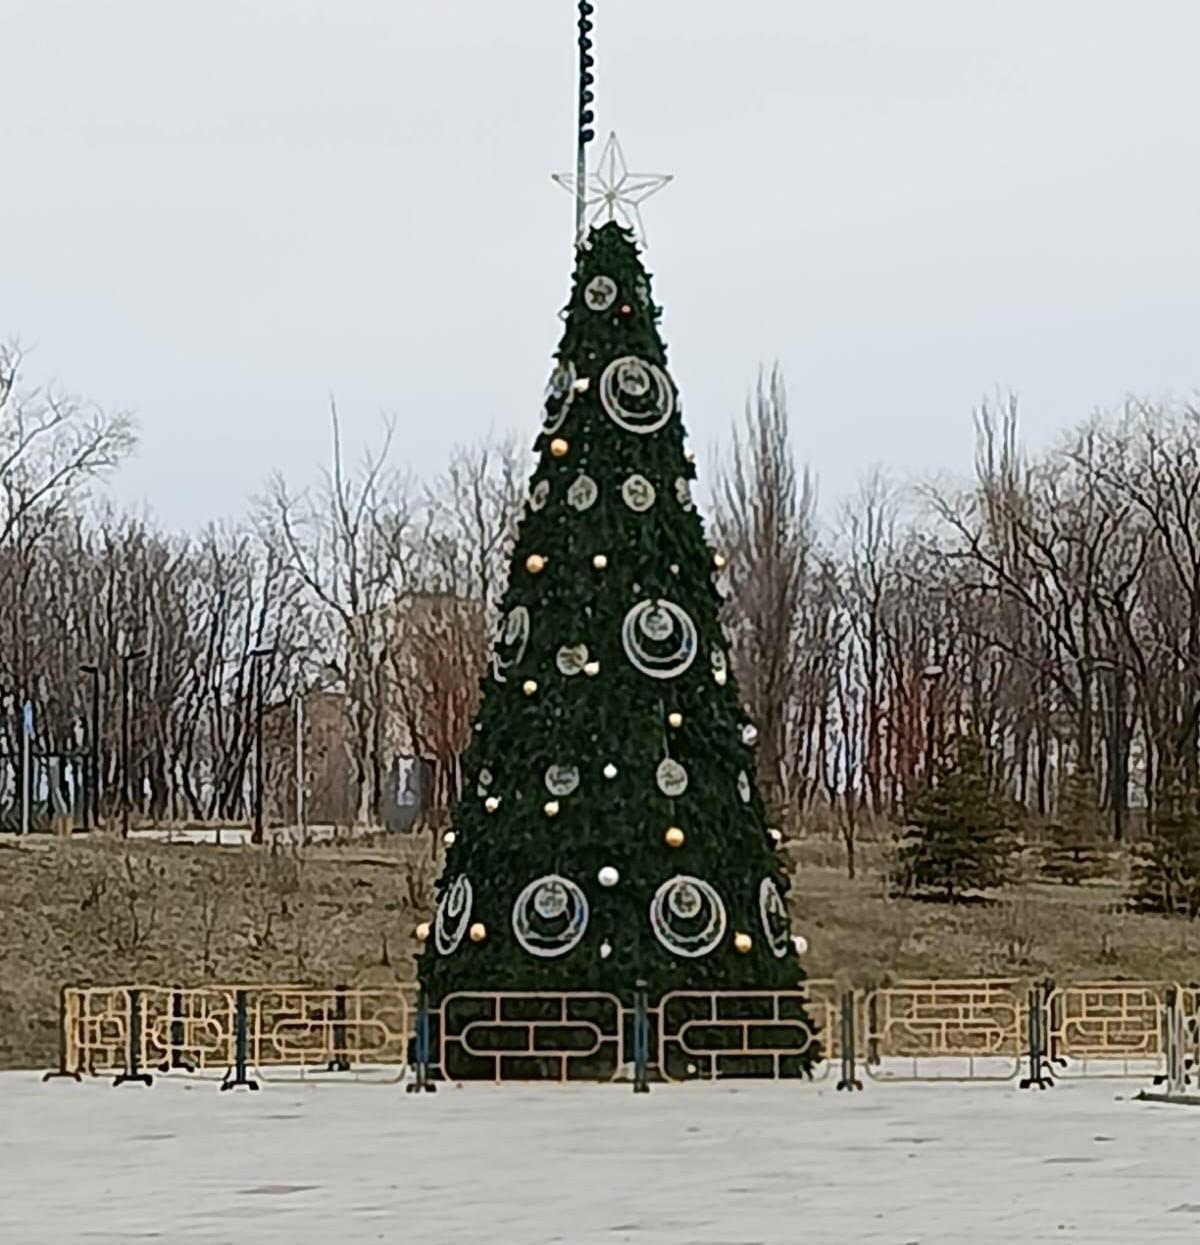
(610, 830)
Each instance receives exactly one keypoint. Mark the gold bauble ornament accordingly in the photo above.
(559, 448)
(675, 720)
(743, 942)
(478, 932)
(535, 563)
(529, 687)
(423, 931)
(600, 561)
(491, 803)
(448, 838)
(674, 837)
(550, 808)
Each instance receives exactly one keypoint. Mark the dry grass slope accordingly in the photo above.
(94, 912)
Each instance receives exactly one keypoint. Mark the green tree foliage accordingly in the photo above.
(1166, 868)
(959, 836)
(1074, 851)
(610, 725)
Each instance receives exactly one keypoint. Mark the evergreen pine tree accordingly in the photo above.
(1166, 871)
(1074, 852)
(959, 837)
(610, 829)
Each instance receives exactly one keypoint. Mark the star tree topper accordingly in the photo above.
(612, 192)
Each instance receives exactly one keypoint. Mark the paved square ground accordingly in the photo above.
(585, 1165)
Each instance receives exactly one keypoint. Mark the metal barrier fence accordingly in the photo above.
(984, 1029)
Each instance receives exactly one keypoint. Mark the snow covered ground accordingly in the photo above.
(688, 1165)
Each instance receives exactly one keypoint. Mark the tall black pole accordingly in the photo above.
(91, 784)
(584, 131)
(258, 749)
(95, 774)
(126, 658)
(125, 746)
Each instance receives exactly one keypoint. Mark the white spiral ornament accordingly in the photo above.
(774, 914)
(453, 915)
(659, 638)
(512, 635)
(687, 916)
(560, 393)
(550, 916)
(636, 395)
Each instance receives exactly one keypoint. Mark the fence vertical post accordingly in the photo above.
(68, 1018)
(872, 1025)
(236, 1076)
(849, 1043)
(133, 1051)
(340, 1061)
(641, 1039)
(1039, 1000)
(178, 1036)
(422, 1083)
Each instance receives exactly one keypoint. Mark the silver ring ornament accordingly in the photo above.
(774, 914)
(560, 393)
(600, 293)
(636, 395)
(659, 639)
(512, 637)
(687, 916)
(453, 915)
(550, 916)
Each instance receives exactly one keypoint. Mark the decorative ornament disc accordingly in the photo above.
(671, 777)
(683, 493)
(550, 916)
(453, 916)
(538, 494)
(636, 395)
(512, 635)
(583, 492)
(774, 914)
(743, 785)
(562, 779)
(571, 659)
(484, 782)
(638, 493)
(560, 393)
(687, 916)
(600, 293)
(659, 638)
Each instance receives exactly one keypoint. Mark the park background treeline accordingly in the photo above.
(1046, 606)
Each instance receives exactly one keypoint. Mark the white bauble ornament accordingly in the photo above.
(610, 770)
(800, 943)
(605, 949)
(448, 838)
(592, 669)
(491, 803)
(608, 876)
(600, 561)
(749, 733)
(550, 808)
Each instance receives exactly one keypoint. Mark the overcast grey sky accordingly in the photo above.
(217, 214)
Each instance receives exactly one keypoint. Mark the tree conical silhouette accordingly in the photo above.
(610, 828)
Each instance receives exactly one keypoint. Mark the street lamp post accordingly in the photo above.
(91, 787)
(257, 655)
(126, 658)
(931, 674)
